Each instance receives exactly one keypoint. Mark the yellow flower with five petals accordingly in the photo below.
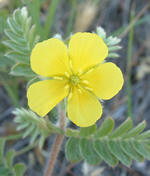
(78, 73)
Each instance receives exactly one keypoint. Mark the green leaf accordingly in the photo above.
(4, 171)
(141, 149)
(22, 126)
(6, 162)
(9, 158)
(19, 169)
(144, 135)
(33, 39)
(72, 150)
(41, 142)
(34, 136)
(31, 128)
(17, 58)
(129, 150)
(87, 131)
(115, 148)
(5, 63)
(105, 129)
(113, 55)
(15, 38)
(111, 42)
(101, 148)
(18, 48)
(21, 35)
(17, 17)
(37, 128)
(88, 152)
(114, 48)
(136, 130)
(14, 27)
(22, 70)
(122, 129)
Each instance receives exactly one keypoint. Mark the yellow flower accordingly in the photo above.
(77, 72)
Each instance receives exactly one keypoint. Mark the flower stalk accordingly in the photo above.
(57, 144)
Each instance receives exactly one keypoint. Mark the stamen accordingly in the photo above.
(85, 81)
(80, 72)
(79, 90)
(89, 71)
(88, 88)
(70, 96)
(67, 74)
(58, 78)
(67, 86)
(74, 79)
(70, 63)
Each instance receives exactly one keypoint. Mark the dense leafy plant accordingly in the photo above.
(93, 144)
(6, 162)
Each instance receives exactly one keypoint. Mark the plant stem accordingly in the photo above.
(71, 18)
(50, 17)
(129, 58)
(57, 145)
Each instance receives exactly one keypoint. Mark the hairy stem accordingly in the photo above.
(57, 145)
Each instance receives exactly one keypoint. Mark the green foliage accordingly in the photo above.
(35, 127)
(124, 144)
(34, 10)
(22, 70)
(111, 42)
(4, 62)
(73, 150)
(94, 145)
(21, 37)
(6, 162)
(88, 152)
(87, 131)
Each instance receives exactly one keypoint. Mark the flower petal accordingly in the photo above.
(50, 58)
(105, 81)
(86, 50)
(83, 108)
(44, 95)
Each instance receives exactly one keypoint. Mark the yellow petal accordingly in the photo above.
(83, 108)
(105, 81)
(44, 95)
(86, 50)
(50, 58)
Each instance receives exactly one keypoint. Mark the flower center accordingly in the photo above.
(74, 79)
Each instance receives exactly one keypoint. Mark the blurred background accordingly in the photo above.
(66, 17)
